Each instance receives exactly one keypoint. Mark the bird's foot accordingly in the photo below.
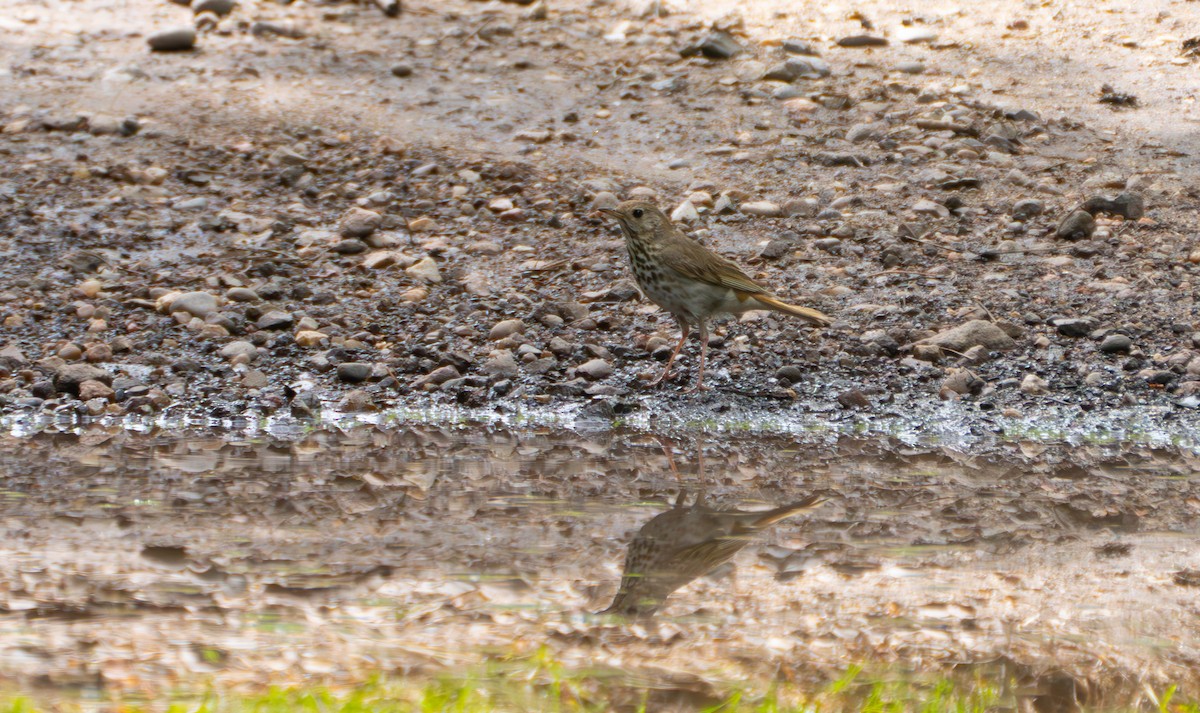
(698, 388)
(666, 376)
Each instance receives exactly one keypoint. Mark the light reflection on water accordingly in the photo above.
(137, 559)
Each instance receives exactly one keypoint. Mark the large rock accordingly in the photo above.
(68, 378)
(976, 332)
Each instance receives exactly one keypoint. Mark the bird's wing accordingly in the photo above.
(691, 259)
(697, 560)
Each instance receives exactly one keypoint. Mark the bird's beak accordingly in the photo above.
(603, 213)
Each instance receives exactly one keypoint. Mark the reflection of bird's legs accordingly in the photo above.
(699, 471)
(666, 449)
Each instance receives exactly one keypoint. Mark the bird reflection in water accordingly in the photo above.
(685, 543)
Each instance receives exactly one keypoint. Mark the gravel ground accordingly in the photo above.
(322, 205)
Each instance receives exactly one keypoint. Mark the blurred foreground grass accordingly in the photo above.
(543, 685)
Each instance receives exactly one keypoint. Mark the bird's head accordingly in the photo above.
(639, 220)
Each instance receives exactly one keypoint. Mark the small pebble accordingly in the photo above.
(1116, 344)
(356, 401)
(425, 269)
(862, 41)
(175, 40)
(1034, 384)
(1027, 208)
(595, 369)
(198, 304)
(505, 329)
(220, 8)
(275, 319)
(762, 209)
(502, 365)
(70, 352)
(353, 372)
(241, 294)
(359, 223)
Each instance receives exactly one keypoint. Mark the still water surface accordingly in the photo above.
(142, 561)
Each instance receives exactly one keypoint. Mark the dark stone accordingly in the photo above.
(185, 366)
(275, 319)
(176, 40)
(853, 398)
(350, 246)
(1074, 327)
(1027, 208)
(776, 249)
(1129, 206)
(353, 372)
(882, 341)
(862, 41)
(1116, 344)
(1022, 115)
(1076, 226)
(1160, 377)
(829, 158)
(789, 374)
(798, 68)
(794, 46)
(42, 389)
(715, 45)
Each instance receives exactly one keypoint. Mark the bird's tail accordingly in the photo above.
(805, 313)
(770, 517)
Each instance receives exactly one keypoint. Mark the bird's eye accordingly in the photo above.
(638, 212)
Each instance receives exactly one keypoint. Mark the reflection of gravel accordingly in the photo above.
(224, 268)
(358, 549)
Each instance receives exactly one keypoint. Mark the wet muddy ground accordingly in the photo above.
(135, 564)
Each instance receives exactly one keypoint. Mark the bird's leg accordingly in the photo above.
(685, 331)
(703, 353)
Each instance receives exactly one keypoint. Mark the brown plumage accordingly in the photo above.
(684, 543)
(688, 280)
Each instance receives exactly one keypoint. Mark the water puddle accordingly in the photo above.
(140, 562)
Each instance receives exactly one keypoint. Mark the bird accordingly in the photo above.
(690, 281)
(684, 543)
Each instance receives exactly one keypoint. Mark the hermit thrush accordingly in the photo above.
(684, 543)
(688, 280)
